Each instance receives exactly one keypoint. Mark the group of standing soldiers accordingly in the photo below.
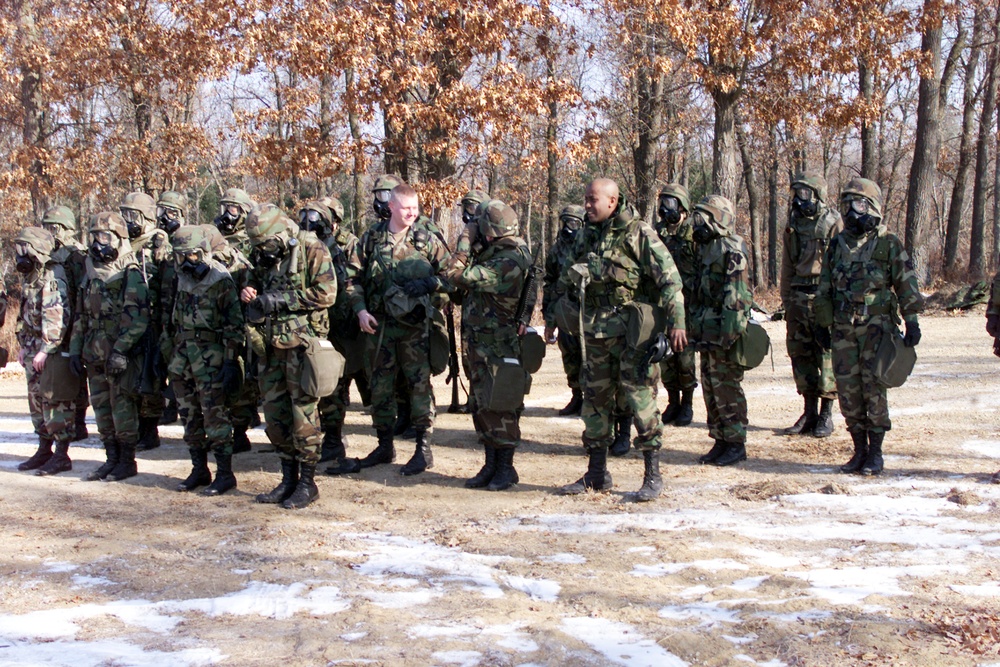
(231, 315)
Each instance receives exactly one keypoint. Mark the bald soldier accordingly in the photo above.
(619, 276)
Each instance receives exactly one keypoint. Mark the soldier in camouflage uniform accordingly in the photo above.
(993, 329)
(571, 220)
(151, 246)
(617, 263)
(111, 317)
(720, 312)
(679, 371)
(470, 247)
(811, 226)
(494, 280)
(171, 211)
(72, 256)
(42, 332)
(208, 337)
(867, 277)
(235, 206)
(291, 288)
(392, 282)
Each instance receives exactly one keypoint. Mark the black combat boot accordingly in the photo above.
(112, 452)
(485, 473)
(686, 414)
(575, 405)
(80, 423)
(305, 491)
(200, 474)
(149, 434)
(422, 458)
(873, 463)
(40, 457)
(402, 419)
(241, 443)
(652, 483)
(169, 415)
(285, 488)
(505, 475)
(597, 476)
(385, 452)
(807, 420)
(126, 464)
(59, 462)
(715, 452)
(334, 448)
(824, 424)
(673, 406)
(857, 461)
(225, 480)
(623, 435)
(735, 452)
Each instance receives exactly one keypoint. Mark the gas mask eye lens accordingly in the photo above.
(129, 214)
(860, 206)
(670, 203)
(104, 238)
(21, 249)
(804, 194)
(382, 195)
(312, 216)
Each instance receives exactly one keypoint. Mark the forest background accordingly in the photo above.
(525, 99)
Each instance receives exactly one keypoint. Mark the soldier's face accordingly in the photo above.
(599, 204)
(404, 210)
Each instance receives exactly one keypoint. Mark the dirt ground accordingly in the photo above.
(777, 561)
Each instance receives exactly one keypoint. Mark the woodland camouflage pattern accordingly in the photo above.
(552, 291)
(678, 371)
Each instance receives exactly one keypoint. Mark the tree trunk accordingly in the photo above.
(995, 257)
(354, 123)
(977, 249)
(869, 151)
(649, 121)
(772, 216)
(35, 130)
(724, 172)
(552, 156)
(753, 195)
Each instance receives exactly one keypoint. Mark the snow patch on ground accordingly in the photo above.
(620, 643)
(987, 448)
(100, 654)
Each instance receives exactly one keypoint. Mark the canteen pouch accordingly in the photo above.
(532, 350)
(438, 342)
(644, 322)
(893, 361)
(750, 349)
(506, 385)
(322, 368)
(57, 382)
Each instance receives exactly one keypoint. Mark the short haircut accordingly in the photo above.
(403, 190)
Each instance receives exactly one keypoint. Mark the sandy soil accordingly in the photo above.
(778, 561)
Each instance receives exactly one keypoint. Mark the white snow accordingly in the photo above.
(101, 654)
(987, 448)
(620, 643)
(851, 585)
(990, 589)
(706, 613)
(565, 559)
(460, 658)
(538, 589)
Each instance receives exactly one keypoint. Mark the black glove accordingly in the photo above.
(824, 338)
(420, 286)
(116, 365)
(229, 376)
(912, 336)
(993, 325)
(268, 302)
(76, 366)
(656, 350)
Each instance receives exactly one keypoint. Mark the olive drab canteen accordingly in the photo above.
(109, 221)
(679, 192)
(140, 201)
(862, 188)
(171, 199)
(60, 215)
(498, 219)
(238, 197)
(814, 182)
(893, 361)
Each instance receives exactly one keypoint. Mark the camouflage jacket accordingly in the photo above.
(993, 307)
(721, 300)
(240, 242)
(626, 262)
(684, 253)
(46, 311)
(207, 311)
(307, 282)
(372, 269)
(73, 259)
(865, 277)
(342, 246)
(555, 262)
(236, 263)
(156, 263)
(805, 246)
(494, 282)
(112, 311)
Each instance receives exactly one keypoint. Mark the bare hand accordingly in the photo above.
(367, 322)
(550, 335)
(678, 340)
(38, 363)
(248, 294)
(20, 356)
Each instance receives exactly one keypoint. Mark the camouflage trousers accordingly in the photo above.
(572, 360)
(811, 364)
(52, 419)
(496, 429)
(333, 408)
(612, 379)
(402, 349)
(679, 371)
(244, 408)
(151, 405)
(201, 401)
(863, 400)
(292, 415)
(116, 410)
(725, 402)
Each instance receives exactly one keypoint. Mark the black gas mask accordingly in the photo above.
(55, 230)
(23, 262)
(859, 220)
(469, 211)
(805, 202)
(192, 264)
(702, 230)
(570, 226)
(312, 221)
(268, 254)
(133, 220)
(102, 249)
(229, 219)
(669, 211)
(381, 204)
(169, 219)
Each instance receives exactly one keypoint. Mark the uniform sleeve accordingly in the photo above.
(231, 312)
(736, 299)
(55, 314)
(135, 312)
(320, 291)
(657, 260)
(550, 285)
(79, 322)
(824, 291)
(493, 276)
(355, 275)
(904, 282)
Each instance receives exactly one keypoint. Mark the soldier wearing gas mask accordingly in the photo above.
(235, 206)
(43, 326)
(470, 203)
(867, 282)
(112, 316)
(811, 227)
(570, 220)
(291, 288)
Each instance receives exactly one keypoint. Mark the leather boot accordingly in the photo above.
(485, 473)
(623, 435)
(305, 491)
(735, 452)
(686, 414)
(112, 452)
(505, 475)
(402, 419)
(149, 434)
(807, 420)
(241, 443)
(857, 461)
(597, 476)
(59, 462)
(40, 457)
(200, 474)
(334, 447)
(873, 463)
(385, 452)
(575, 405)
(126, 464)
(715, 452)
(652, 482)
(169, 415)
(824, 424)
(422, 458)
(225, 480)
(673, 406)
(80, 424)
(255, 419)
(285, 488)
